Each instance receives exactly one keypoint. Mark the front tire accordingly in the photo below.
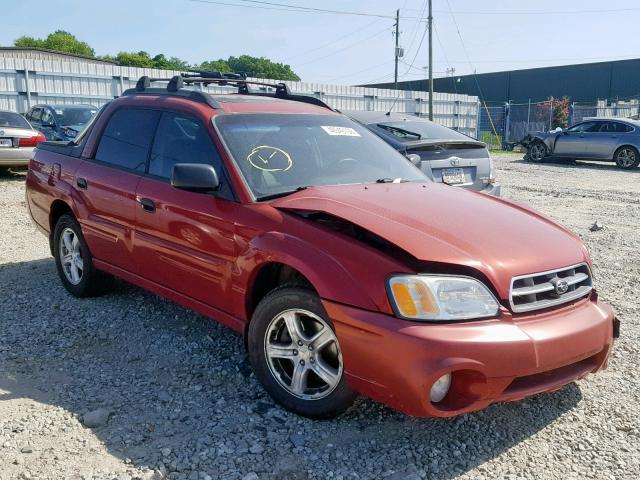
(296, 356)
(74, 261)
(537, 151)
(626, 158)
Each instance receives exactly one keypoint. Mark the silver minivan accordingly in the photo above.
(444, 155)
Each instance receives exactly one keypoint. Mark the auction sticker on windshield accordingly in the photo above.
(341, 131)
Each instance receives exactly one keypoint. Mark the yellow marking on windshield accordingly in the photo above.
(278, 159)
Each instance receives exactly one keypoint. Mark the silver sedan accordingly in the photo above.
(17, 140)
(608, 139)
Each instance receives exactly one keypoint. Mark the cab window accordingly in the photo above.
(181, 138)
(127, 138)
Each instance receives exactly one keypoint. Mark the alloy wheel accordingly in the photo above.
(71, 256)
(303, 354)
(537, 152)
(626, 157)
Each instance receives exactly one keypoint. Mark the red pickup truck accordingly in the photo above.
(344, 267)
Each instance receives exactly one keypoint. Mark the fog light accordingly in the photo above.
(440, 388)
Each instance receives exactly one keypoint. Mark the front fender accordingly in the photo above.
(331, 280)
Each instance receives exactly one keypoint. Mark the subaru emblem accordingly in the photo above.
(562, 287)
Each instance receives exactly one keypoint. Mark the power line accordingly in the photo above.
(378, 33)
(535, 12)
(333, 42)
(296, 8)
(414, 31)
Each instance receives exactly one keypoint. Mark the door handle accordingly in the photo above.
(82, 183)
(147, 204)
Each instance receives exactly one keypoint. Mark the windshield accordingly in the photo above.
(74, 115)
(13, 120)
(420, 130)
(282, 153)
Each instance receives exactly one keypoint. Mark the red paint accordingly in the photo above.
(205, 253)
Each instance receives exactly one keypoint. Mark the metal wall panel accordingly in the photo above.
(47, 80)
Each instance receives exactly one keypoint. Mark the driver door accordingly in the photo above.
(185, 241)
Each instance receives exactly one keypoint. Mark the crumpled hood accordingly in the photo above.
(444, 224)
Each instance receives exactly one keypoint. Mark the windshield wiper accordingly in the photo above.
(272, 196)
(399, 130)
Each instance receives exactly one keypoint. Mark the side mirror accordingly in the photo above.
(415, 159)
(194, 177)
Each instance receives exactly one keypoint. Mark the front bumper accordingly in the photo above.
(396, 361)
(15, 157)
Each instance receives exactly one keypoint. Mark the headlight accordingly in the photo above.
(442, 298)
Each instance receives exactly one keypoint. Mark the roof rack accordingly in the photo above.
(176, 83)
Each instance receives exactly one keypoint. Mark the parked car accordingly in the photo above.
(17, 140)
(60, 122)
(343, 266)
(444, 154)
(609, 139)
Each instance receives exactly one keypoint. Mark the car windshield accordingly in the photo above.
(73, 115)
(419, 130)
(13, 120)
(281, 153)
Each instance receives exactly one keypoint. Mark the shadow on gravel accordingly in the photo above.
(13, 173)
(591, 164)
(179, 396)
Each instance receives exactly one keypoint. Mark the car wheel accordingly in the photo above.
(74, 261)
(537, 151)
(627, 157)
(296, 356)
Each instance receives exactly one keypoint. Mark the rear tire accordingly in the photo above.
(296, 356)
(626, 157)
(537, 151)
(74, 261)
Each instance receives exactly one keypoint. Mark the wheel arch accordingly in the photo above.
(58, 209)
(278, 259)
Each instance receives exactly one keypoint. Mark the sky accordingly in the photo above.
(469, 35)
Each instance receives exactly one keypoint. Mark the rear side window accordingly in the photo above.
(622, 127)
(127, 138)
(14, 120)
(181, 138)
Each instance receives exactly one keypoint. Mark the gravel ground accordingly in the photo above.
(132, 386)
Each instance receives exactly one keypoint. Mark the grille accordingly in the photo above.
(547, 289)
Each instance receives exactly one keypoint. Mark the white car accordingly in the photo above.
(17, 140)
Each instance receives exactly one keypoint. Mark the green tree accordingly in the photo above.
(215, 66)
(252, 67)
(134, 59)
(261, 67)
(171, 63)
(59, 41)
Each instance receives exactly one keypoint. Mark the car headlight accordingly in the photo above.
(441, 298)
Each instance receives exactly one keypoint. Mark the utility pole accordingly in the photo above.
(397, 50)
(430, 21)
